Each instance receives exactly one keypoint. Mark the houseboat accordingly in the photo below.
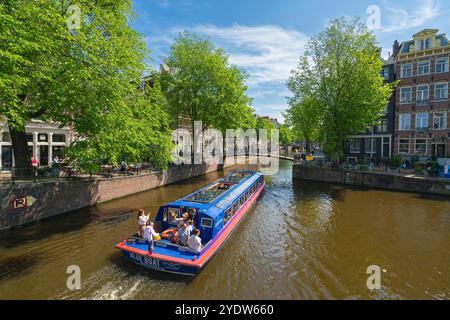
(216, 210)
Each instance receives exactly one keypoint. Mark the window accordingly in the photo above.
(441, 91)
(405, 121)
(59, 138)
(440, 120)
(42, 137)
(403, 146)
(58, 152)
(405, 95)
(6, 137)
(422, 93)
(421, 45)
(207, 223)
(428, 43)
(423, 68)
(442, 65)
(386, 150)
(385, 73)
(227, 216)
(383, 126)
(421, 147)
(421, 120)
(406, 70)
(173, 215)
(368, 145)
(355, 146)
(241, 201)
(235, 207)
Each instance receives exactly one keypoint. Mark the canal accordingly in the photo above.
(300, 241)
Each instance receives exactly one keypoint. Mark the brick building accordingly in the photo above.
(422, 106)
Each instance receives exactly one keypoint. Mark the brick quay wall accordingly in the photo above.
(376, 180)
(24, 203)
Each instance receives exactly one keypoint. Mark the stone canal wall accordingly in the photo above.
(28, 202)
(372, 179)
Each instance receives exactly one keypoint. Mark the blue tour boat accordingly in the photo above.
(218, 209)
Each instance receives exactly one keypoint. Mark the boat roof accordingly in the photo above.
(206, 198)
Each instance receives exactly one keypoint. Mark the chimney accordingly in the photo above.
(395, 49)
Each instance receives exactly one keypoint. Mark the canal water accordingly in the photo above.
(300, 241)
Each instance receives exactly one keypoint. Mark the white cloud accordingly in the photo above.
(268, 53)
(401, 19)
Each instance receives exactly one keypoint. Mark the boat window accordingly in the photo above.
(227, 216)
(241, 201)
(207, 223)
(173, 215)
(235, 207)
(210, 194)
(237, 177)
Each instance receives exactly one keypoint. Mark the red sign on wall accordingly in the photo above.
(20, 202)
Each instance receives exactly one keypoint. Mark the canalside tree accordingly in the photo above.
(201, 85)
(77, 66)
(340, 72)
(286, 135)
(304, 117)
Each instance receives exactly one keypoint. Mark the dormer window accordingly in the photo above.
(428, 43)
(421, 45)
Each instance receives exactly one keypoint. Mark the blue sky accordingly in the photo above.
(266, 38)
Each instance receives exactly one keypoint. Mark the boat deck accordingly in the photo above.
(165, 251)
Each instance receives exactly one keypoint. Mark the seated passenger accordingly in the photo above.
(195, 242)
(183, 235)
(142, 221)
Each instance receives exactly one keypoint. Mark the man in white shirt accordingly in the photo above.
(195, 242)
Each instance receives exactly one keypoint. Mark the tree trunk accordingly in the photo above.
(22, 158)
(308, 147)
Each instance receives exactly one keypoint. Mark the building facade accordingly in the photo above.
(422, 128)
(45, 142)
(377, 141)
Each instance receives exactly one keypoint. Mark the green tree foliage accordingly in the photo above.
(86, 78)
(286, 135)
(304, 117)
(263, 123)
(201, 86)
(340, 73)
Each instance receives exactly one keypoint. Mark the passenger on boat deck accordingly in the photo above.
(142, 221)
(224, 187)
(149, 232)
(195, 242)
(190, 227)
(191, 213)
(183, 235)
(182, 220)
